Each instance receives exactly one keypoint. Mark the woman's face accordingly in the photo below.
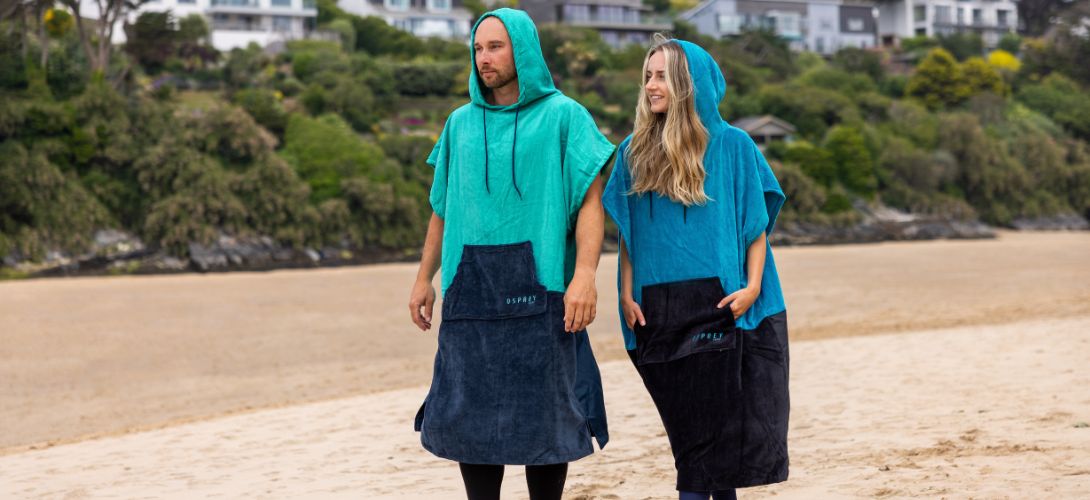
(658, 94)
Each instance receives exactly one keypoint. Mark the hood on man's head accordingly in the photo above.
(534, 78)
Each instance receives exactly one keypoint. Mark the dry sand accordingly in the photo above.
(985, 412)
(967, 411)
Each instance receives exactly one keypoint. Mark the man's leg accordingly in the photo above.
(482, 481)
(546, 482)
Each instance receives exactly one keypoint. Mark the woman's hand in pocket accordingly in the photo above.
(632, 313)
(740, 301)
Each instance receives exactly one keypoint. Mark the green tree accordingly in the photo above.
(962, 45)
(816, 162)
(982, 77)
(265, 108)
(151, 39)
(859, 61)
(938, 81)
(325, 150)
(854, 164)
(347, 32)
(1011, 43)
(1063, 100)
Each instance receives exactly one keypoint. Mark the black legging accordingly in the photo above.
(545, 482)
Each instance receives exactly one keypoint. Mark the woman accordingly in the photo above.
(703, 315)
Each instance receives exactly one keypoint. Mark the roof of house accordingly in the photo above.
(753, 123)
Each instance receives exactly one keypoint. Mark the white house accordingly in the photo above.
(823, 26)
(234, 23)
(908, 18)
(423, 18)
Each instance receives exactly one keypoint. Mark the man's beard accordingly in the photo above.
(500, 80)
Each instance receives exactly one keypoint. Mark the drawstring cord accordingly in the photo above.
(651, 209)
(514, 143)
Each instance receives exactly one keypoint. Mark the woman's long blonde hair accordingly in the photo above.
(666, 154)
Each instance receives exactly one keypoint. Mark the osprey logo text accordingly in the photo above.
(708, 336)
(524, 299)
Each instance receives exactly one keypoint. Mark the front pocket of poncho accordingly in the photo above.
(682, 320)
(495, 282)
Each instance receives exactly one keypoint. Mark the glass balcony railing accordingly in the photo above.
(236, 3)
(257, 4)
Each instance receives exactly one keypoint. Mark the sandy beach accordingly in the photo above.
(926, 369)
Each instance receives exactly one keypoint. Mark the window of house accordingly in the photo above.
(1002, 17)
(728, 24)
(855, 24)
(788, 24)
(397, 4)
(281, 23)
(978, 16)
(441, 5)
(611, 14)
(919, 13)
(576, 12)
(281, 3)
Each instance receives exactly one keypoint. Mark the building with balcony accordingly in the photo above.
(619, 22)
(823, 26)
(991, 19)
(423, 18)
(234, 23)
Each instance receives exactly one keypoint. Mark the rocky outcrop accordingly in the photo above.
(881, 223)
(1052, 223)
(118, 252)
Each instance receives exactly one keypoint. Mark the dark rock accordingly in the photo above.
(206, 259)
(1059, 222)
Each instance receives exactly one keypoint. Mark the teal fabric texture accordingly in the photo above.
(507, 174)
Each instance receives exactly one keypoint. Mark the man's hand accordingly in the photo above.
(580, 302)
(422, 297)
(740, 301)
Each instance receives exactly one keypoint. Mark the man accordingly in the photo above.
(517, 226)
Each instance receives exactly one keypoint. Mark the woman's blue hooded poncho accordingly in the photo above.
(667, 241)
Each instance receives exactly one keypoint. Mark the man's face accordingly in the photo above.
(495, 60)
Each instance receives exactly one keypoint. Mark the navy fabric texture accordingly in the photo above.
(510, 386)
(721, 391)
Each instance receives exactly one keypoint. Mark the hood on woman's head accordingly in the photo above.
(709, 86)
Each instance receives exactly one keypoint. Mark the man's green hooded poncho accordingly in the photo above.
(507, 174)
(509, 385)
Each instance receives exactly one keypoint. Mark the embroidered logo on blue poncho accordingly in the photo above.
(521, 299)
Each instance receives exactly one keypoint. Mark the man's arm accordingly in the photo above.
(581, 299)
(423, 294)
